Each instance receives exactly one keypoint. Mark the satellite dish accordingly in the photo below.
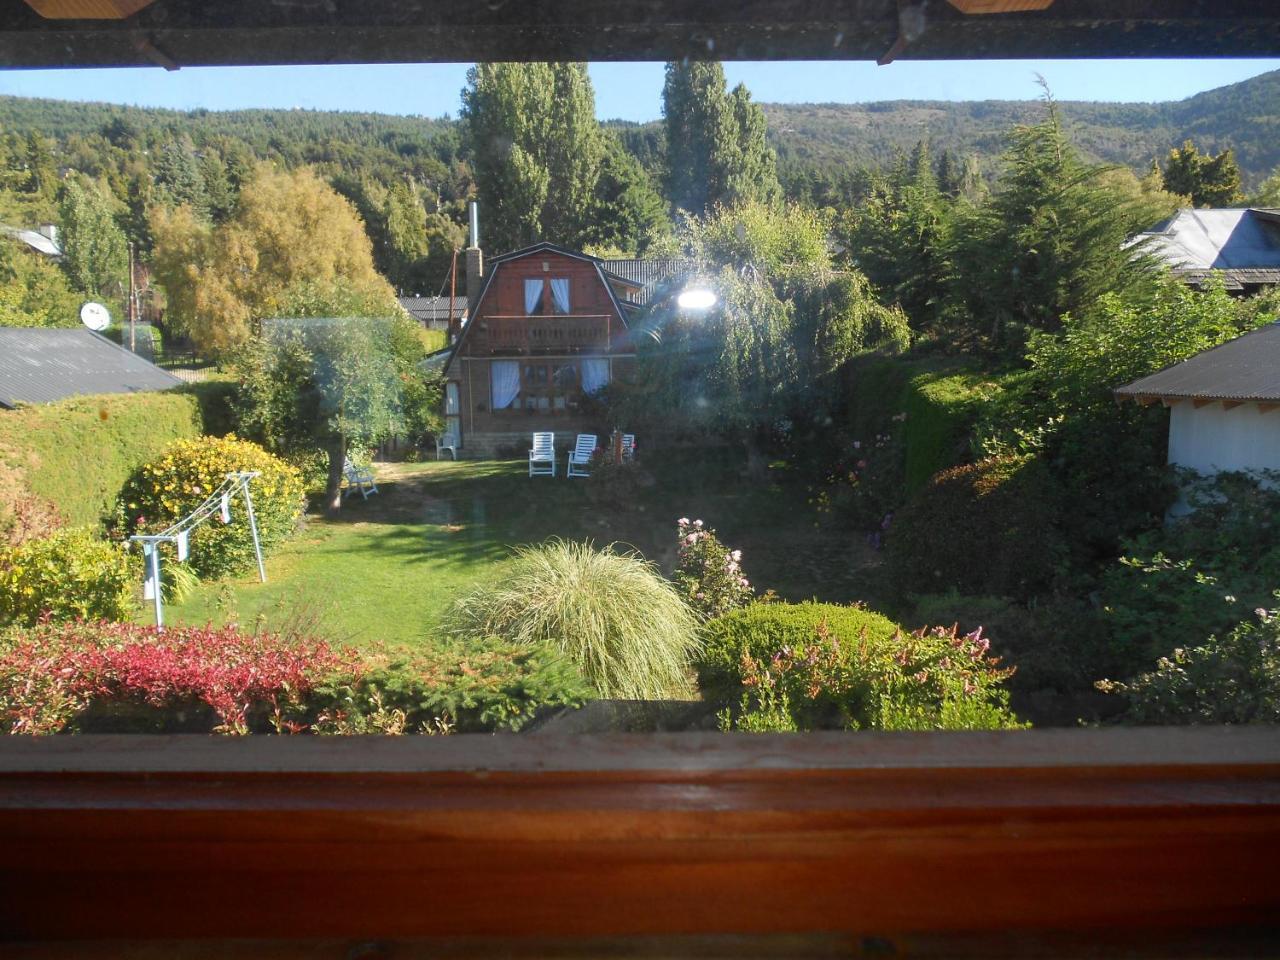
(95, 316)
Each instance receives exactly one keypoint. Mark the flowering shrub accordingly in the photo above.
(169, 488)
(613, 481)
(1235, 679)
(821, 666)
(67, 575)
(51, 674)
(709, 575)
(863, 486)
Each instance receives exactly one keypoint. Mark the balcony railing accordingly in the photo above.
(546, 334)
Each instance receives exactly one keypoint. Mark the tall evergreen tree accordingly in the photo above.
(717, 152)
(178, 178)
(536, 149)
(1050, 241)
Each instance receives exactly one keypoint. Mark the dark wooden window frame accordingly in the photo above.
(1145, 840)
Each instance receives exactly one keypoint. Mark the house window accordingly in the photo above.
(504, 384)
(548, 387)
(534, 295)
(546, 296)
(559, 295)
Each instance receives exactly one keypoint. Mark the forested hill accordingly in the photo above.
(1244, 116)
(831, 137)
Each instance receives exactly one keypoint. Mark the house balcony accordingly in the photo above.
(542, 335)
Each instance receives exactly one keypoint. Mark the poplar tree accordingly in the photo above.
(95, 253)
(717, 150)
(536, 150)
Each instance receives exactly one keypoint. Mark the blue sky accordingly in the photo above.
(632, 91)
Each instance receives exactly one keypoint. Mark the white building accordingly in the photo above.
(1224, 404)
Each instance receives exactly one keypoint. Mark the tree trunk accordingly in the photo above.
(333, 489)
(757, 463)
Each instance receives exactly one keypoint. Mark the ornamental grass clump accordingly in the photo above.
(623, 625)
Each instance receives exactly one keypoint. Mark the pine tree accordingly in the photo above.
(178, 178)
(629, 213)
(1050, 241)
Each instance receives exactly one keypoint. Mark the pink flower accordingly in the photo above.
(735, 556)
(691, 538)
(698, 524)
(683, 521)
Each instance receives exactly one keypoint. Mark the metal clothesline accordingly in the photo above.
(179, 534)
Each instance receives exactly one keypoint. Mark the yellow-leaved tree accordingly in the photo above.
(289, 227)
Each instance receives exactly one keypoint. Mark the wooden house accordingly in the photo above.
(547, 328)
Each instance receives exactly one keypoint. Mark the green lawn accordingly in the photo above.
(386, 570)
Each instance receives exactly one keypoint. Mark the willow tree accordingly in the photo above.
(536, 149)
(288, 228)
(785, 320)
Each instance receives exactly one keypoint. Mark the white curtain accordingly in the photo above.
(532, 295)
(504, 382)
(595, 375)
(560, 295)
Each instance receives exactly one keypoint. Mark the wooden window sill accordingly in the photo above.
(1154, 835)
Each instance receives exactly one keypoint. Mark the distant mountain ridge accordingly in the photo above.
(1244, 116)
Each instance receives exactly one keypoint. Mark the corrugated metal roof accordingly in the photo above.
(649, 274)
(1217, 239)
(434, 309)
(34, 239)
(39, 365)
(1246, 369)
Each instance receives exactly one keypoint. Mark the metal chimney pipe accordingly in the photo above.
(473, 217)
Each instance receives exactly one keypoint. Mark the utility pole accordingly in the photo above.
(133, 326)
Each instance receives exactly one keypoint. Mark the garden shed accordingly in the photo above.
(1224, 404)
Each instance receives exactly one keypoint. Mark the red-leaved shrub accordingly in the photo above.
(52, 673)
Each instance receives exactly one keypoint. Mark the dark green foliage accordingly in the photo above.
(478, 686)
(47, 447)
(1210, 181)
(629, 214)
(985, 528)
(70, 575)
(1228, 678)
(900, 237)
(1109, 462)
(216, 399)
(1199, 574)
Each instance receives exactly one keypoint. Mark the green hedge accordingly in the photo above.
(940, 401)
(940, 412)
(76, 454)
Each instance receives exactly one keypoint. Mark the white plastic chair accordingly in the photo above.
(580, 455)
(358, 478)
(542, 458)
(628, 447)
(447, 441)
